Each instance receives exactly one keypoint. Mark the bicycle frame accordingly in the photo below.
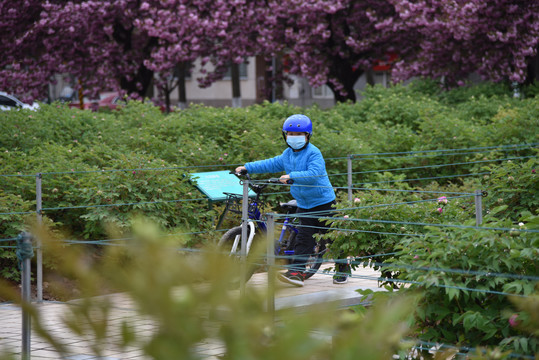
(255, 217)
(255, 222)
(287, 224)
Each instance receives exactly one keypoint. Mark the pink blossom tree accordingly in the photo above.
(180, 28)
(221, 33)
(495, 39)
(95, 41)
(121, 44)
(332, 42)
(236, 39)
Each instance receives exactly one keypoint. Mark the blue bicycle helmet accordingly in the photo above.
(298, 123)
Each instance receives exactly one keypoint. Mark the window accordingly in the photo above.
(322, 92)
(243, 72)
(188, 67)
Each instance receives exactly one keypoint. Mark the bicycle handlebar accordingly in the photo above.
(277, 181)
(270, 181)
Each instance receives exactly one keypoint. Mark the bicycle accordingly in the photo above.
(284, 246)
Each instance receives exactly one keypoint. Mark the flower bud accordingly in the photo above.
(513, 322)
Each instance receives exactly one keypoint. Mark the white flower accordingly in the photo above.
(521, 224)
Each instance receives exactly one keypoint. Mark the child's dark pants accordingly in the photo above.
(309, 225)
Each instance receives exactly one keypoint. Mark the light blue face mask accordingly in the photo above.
(296, 142)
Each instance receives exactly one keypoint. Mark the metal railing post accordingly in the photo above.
(270, 258)
(39, 255)
(244, 234)
(350, 177)
(25, 253)
(478, 207)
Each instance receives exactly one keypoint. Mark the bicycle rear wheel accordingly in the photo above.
(315, 260)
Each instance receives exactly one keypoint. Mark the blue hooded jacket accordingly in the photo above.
(307, 168)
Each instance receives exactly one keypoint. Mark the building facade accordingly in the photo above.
(254, 87)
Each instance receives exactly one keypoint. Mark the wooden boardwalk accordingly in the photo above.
(318, 289)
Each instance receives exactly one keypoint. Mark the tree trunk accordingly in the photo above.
(270, 83)
(342, 71)
(124, 37)
(182, 101)
(167, 97)
(150, 91)
(277, 80)
(533, 69)
(81, 96)
(236, 91)
(143, 76)
(370, 77)
(261, 79)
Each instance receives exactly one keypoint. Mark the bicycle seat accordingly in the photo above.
(289, 206)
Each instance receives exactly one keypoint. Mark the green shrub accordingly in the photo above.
(455, 267)
(71, 148)
(188, 301)
(531, 90)
(383, 218)
(467, 306)
(513, 188)
(12, 220)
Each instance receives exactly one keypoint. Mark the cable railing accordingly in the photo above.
(371, 261)
(41, 210)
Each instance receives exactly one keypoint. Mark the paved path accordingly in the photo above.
(319, 288)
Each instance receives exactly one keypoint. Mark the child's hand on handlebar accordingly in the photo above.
(241, 170)
(285, 179)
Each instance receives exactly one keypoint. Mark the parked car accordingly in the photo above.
(110, 100)
(10, 102)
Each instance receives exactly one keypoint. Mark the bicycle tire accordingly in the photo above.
(315, 261)
(312, 264)
(226, 242)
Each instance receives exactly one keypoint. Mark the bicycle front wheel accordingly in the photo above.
(230, 243)
(315, 260)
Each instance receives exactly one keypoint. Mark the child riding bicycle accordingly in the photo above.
(303, 163)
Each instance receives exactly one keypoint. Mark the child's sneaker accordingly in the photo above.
(292, 277)
(342, 273)
(340, 279)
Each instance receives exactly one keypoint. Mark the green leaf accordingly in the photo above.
(452, 293)
(441, 313)
(523, 344)
(490, 333)
(469, 321)
(498, 209)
